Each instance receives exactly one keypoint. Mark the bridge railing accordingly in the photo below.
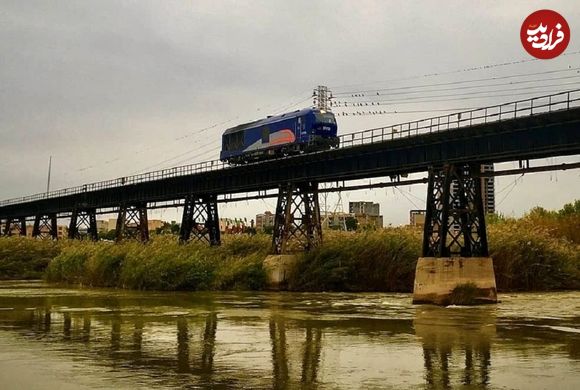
(498, 113)
(183, 170)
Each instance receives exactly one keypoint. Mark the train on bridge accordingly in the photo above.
(296, 132)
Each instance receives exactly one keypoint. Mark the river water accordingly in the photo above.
(67, 338)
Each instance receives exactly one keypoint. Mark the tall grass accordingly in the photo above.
(540, 251)
(528, 256)
(163, 264)
(381, 260)
(23, 258)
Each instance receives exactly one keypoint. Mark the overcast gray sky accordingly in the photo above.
(111, 88)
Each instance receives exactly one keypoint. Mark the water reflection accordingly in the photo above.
(456, 349)
(230, 341)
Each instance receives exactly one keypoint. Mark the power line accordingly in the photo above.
(514, 183)
(362, 93)
(471, 69)
(466, 96)
(383, 112)
(405, 196)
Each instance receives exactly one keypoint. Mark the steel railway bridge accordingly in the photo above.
(451, 148)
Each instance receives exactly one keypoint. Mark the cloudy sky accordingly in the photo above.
(113, 88)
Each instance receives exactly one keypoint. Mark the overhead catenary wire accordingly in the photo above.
(463, 70)
(459, 82)
(473, 97)
(405, 90)
(413, 98)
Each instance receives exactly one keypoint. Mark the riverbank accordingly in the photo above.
(536, 253)
(525, 258)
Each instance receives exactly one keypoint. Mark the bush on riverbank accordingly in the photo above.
(162, 264)
(540, 251)
(381, 260)
(528, 256)
(23, 258)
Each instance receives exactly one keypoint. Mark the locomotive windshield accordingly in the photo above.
(324, 118)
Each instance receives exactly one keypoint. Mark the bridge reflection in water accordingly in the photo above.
(259, 344)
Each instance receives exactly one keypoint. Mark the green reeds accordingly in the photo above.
(162, 264)
(540, 251)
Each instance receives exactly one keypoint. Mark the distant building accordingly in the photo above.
(233, 226)
(102, 226)
(417, 217)
(111, 224)
(364, 208)
(336, 220)
(61, 231)
(487, 189)
(264, 220)
(154, 224)
(366, 213)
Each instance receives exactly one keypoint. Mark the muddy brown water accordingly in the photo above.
(69, 338)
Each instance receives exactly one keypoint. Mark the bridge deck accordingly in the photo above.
(541, 127)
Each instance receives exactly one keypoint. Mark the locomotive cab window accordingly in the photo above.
(265, 135)
(234, 141)
(325, 118)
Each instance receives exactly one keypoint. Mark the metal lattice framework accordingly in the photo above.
(455, 221)
(45, 227)
(297, 220)
(132, 222)
(200, 219)
(83, 224)
(12, 225)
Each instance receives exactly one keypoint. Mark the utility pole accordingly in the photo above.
(322, 97)
(49, 169)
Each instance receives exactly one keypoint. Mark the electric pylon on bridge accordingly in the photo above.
(200, 219)
(12, 224)
(132, 222)
(83, 220)
(297, 221)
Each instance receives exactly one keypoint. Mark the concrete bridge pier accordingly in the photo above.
(455, 267)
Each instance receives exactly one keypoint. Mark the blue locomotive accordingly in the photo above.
(281, 135)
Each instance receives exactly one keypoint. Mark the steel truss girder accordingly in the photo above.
(45, 227)
(200, 220)
(132, 222)
(11, 224)
(297, 221)
(454, 219)
(83, 224)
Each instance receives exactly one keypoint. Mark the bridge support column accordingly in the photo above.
(297, 227)
(83, 219)
(201, 219)
(45, 227)
(132, 222)
(12, 224)
(297, 220)
(455, 267)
